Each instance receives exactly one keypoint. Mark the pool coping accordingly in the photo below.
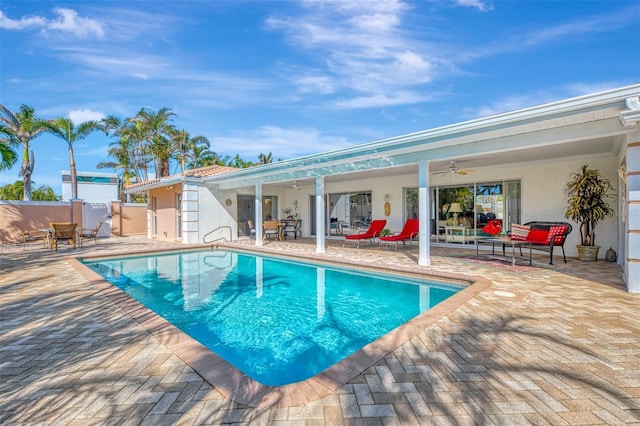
(237, 386)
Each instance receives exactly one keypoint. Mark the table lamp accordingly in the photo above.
(455, 209)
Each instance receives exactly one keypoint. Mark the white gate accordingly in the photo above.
(94, 213)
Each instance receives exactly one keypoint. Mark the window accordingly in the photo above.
(269, 208)
(411, 203)
(469, 206)
(346, 210)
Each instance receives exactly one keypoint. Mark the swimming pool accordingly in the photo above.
(276, 320)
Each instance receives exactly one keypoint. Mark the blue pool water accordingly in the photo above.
(277, 321)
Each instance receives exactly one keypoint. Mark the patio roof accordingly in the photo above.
(586, 125)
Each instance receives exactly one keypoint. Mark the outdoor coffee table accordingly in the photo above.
(506, 242)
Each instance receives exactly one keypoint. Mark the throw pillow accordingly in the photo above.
(554, 231)
(519, 232)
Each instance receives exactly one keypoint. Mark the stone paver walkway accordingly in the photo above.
(546, 345)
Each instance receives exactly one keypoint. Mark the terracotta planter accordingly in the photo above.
(588, 253)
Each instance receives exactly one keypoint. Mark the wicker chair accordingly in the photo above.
(64, 232)
(32, 236)
(89, 234)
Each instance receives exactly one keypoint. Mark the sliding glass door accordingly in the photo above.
(458, 212)
(347, 210)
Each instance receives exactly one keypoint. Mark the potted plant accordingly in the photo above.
(587, 205)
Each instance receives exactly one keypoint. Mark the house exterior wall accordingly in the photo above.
(128, 219)
(93, 187)
(166, 211)
(217, 220)
(544, 196)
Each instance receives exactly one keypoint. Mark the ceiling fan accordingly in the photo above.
(296, 186)
(453, 169)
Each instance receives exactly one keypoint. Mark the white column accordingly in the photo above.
(190, 214)
(320, 215)
(632, 261)
(258, 213)
(424, 258)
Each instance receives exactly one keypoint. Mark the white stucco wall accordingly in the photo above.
(214, 213)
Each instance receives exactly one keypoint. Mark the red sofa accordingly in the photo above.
(543, 236)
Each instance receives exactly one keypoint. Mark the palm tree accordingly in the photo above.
(238, 162)
(129, 151)
(21, 128)
(265, 158)
(65, 129)
(201, 156)
(8, 154)
(187, 147)
(157, 130)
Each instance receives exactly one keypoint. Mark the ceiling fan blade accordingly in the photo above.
(461, 172)
(440, 173)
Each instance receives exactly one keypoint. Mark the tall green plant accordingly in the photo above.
(22, 127)
(587, 204)
(65, 129)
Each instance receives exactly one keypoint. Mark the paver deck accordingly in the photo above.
(545, 345)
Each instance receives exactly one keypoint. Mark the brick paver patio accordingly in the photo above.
(545, 345)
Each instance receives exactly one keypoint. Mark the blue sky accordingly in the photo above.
(301, 77)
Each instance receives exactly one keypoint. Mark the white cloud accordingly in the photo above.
(67, 21)
(81, 115)
(314, 84)
(381, 100)
(22, 23)
(283, 143)
(480, 5)
(365, 52)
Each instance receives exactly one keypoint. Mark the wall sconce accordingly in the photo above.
(387, 205)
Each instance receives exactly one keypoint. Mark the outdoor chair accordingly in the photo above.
(252, 229)
(64, 232)
(270, 227)
(89, 234)
(32, 236)
(292, 227)
(375, 228)
(408, 233)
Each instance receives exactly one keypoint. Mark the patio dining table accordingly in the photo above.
(49, 236)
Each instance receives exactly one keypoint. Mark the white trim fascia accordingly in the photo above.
(631, 117)
(169, 180)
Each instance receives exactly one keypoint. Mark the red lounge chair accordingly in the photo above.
(409, 232)
(375, 228)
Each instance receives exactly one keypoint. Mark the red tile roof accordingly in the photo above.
(199, 172)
